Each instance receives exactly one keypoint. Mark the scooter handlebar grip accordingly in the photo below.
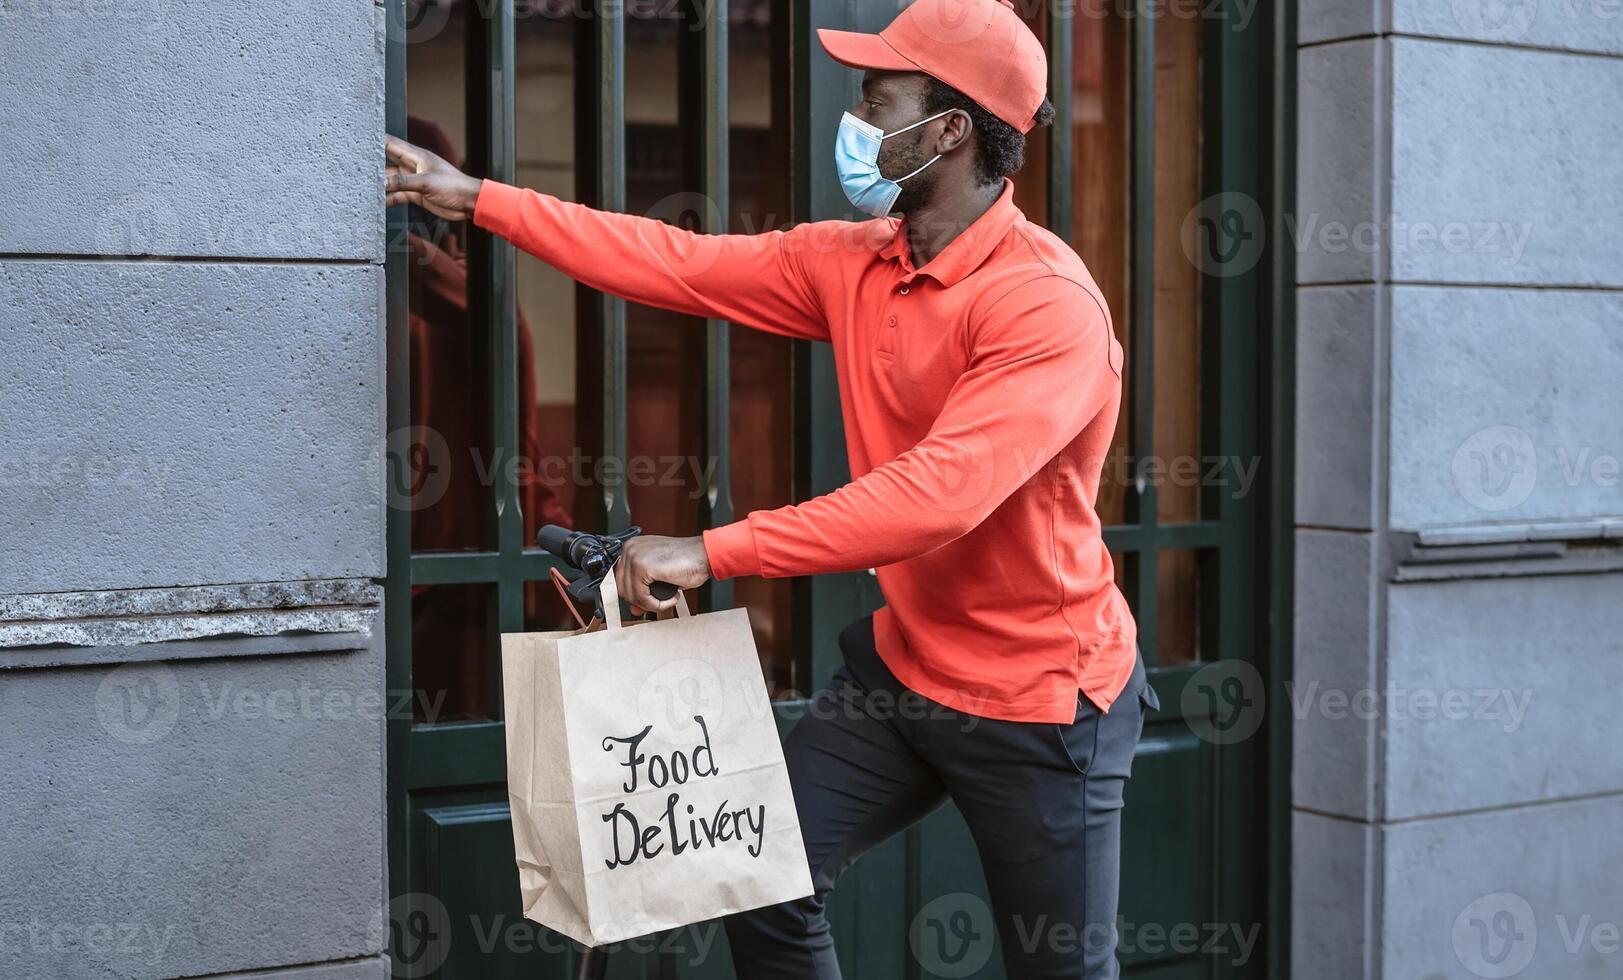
(554, 539)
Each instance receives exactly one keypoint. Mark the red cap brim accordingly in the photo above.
(856, 50)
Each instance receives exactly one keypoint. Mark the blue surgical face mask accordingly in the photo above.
(856, 154)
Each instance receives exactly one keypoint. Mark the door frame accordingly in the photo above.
(819, 445)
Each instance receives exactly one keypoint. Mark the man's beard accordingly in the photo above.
(900, 160)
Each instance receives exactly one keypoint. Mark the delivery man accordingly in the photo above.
(980, 380)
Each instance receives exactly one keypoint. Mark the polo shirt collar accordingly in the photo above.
(965, 253)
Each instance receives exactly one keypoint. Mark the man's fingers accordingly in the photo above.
(401, 152)
(407, 182)
(650, 601)
(404, 197)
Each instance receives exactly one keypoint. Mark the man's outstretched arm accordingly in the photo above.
(1044, 366)
(755, 280)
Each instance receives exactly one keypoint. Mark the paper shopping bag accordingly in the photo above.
(646, 779)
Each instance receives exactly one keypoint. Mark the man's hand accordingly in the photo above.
(416, 176)
(648, 558)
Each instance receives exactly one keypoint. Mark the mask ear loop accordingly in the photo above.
(916, 126)
(920, 170)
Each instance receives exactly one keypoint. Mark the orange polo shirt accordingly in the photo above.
(979, 394)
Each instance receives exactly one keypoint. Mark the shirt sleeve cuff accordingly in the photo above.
(496, 206)
(731, 550)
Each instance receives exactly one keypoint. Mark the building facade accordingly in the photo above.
(274, 458)
(1457, 547)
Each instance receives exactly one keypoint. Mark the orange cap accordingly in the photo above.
(980, 47)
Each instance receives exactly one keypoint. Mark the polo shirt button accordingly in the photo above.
(893, 321)
(904, 290)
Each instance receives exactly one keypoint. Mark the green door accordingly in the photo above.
(510, 389)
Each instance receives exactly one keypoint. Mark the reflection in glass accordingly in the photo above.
(1177, 280)
(1101, 155)
(1180, 598)
(762, 365)
(454, 643)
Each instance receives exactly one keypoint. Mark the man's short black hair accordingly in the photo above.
(1000, 149)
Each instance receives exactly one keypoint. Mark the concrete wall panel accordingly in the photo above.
(1505, 167)
(1340, 404)
(187, 127)
(1318, 21)
(1334, 865)
(189, 424)
(1340, 144)
(1334, 767)
(193, 818)
(1528, 892)
(1578, 25)
(1505, 406)
(1503, 691)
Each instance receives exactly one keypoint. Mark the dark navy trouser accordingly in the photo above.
(1043, 803)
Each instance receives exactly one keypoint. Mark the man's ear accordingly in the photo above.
(955, 132)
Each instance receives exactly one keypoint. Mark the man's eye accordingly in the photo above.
(872, 103)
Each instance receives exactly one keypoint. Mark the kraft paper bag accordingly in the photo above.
(647, 782)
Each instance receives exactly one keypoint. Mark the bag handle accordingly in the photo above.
(610, 594)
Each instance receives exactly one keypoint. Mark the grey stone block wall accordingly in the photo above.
(190, 423)
(1457, 777)
(192, 501)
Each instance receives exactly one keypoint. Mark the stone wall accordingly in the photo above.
(1458, 784)
(191, 492)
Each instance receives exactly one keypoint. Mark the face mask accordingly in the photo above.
(856, 154)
